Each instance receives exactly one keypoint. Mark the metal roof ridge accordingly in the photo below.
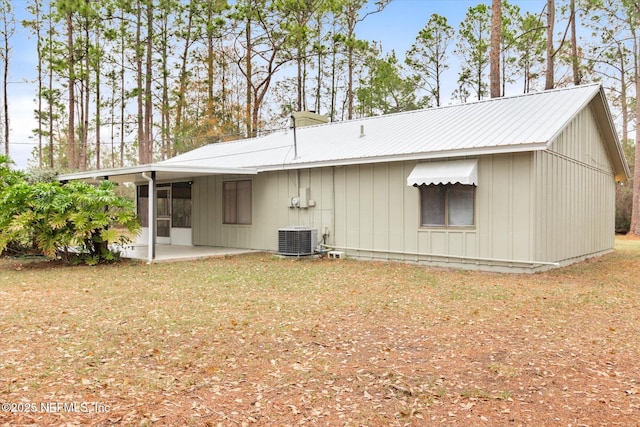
(473, 102)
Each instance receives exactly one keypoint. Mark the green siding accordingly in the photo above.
(554, 205)
(575, 194)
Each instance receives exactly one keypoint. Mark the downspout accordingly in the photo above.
(298, 192)
(332, 230)
(151, 254)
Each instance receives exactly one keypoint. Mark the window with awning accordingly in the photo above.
(447, 192)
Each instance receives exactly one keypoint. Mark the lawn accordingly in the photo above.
(260, 340)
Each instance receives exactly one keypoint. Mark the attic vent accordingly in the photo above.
(297, 241)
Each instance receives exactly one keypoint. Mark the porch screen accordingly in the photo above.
(181, 205)
(143, 205)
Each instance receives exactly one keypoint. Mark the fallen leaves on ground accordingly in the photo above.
(258, 340)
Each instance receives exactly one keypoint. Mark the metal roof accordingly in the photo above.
(500, 125)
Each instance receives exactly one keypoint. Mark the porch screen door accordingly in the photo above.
(163, 215)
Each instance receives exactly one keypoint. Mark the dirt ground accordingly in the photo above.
(256, 340)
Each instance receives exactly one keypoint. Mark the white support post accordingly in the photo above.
(151, 215)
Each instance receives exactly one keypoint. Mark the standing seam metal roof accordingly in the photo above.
(519, 123)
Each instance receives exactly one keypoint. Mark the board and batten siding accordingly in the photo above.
(271, 194)
(505, 218)
(575, 194)
(370, 208)
(376, 210)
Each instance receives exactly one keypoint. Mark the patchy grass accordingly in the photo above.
(257, 339)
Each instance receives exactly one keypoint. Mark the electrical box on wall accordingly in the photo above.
(304, 197)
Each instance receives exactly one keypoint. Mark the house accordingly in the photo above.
(515, 184)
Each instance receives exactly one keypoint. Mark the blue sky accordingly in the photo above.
(395, 28)
(399, 23)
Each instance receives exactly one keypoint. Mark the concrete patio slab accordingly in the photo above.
(166, 253)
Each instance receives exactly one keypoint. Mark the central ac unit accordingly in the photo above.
(297, 241)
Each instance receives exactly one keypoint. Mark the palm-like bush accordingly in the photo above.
(74, 221)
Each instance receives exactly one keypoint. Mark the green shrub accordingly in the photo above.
(75, 221)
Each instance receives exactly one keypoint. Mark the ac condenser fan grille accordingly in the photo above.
(297, 241)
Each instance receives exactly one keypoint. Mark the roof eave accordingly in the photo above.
(131, 174)
(621, 167)
(604, 120)
(433, 155)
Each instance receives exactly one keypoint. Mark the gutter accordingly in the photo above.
(458, 257)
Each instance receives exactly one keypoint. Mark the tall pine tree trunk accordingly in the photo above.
(211, 76)
(122, 90)
(332, 91)
(148, 99)
(49, 91)
(575, 60)
(496, 32)
(549, 72)
(165, 131)
(38, 25)
(5, 79)
(165, 145)
(299, 78)
(635, 212)
(624, 102)
(142, 148)
(98, 105)
(350, 95)
(319, 76)
(182, 84)
(249, 73)
(72, 99)
(84, 138)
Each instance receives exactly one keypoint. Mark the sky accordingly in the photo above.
(395, 28)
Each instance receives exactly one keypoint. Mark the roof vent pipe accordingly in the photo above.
(361, 131)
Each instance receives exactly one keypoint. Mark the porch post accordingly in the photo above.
(151, 240)
(153, 214)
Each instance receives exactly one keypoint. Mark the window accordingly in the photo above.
(236, 197)
(450, 205)
(181, 205)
